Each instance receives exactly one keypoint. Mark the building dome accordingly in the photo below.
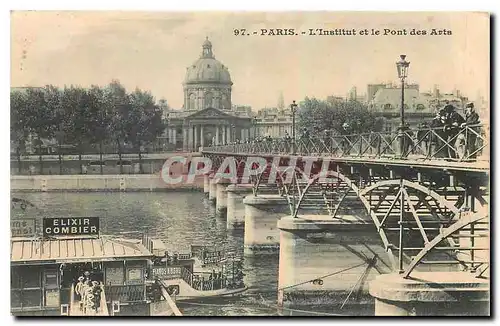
(207, 69)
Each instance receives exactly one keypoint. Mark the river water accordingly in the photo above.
(179, 219)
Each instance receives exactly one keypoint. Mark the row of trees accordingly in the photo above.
(85, 116)
(333, 115)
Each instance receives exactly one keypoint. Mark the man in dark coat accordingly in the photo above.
(453, 121)
(471, 119)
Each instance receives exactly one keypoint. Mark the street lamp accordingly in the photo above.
(402, 66)
(293, 108)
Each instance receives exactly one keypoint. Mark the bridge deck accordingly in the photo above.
(413, 161)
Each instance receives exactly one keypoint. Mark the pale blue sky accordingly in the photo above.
(152, 51)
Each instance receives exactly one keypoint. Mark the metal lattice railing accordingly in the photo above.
(463, 144)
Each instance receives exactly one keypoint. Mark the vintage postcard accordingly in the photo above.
(250, 163)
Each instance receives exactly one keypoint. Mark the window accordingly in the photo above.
(192, 102)
(387, 106)
(134, 275)
(208, 100)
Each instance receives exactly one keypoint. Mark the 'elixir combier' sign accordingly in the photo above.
(57, 226)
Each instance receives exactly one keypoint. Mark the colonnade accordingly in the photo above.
(194, 135)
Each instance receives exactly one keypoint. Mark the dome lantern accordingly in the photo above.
(207, 49)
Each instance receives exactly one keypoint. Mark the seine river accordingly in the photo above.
(179, 219)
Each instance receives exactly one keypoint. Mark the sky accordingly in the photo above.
(151, 50)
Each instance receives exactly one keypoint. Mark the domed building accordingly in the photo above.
(208, 116)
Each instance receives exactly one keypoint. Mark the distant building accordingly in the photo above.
(385, 101)
(208, 116)
(274, 122)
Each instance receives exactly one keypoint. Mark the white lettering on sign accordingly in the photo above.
(71, 226)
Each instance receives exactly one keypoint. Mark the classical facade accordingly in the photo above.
(208, 116)
(385, 101)
(274, 122)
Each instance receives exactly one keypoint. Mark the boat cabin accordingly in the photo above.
(44, 271)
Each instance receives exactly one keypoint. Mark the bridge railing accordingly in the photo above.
(460, 144)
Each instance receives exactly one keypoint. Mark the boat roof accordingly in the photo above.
(31, 251)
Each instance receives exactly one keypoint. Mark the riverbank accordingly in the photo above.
(91, 183)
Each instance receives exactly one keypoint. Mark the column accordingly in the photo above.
(184, 137)
(212, 194)
(174, 136)
(261, 217)
(217, 135)
(235, 207)
(221, 201)
(242, 138)
(315, 245)
(223, 135)
(196, 141)
(189, 137)
(431, 294)
(202, 136)
(228, 134)
(206, 184)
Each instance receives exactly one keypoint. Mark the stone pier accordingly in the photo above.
(212, 193)
(325, 261)
(235, 207)
(221, 197)
(431, 294)
(206, 184)
(262, 213)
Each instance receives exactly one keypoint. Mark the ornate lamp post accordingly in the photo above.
(293, 108)
(402, 66)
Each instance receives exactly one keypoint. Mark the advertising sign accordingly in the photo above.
(58, 226)
(166, 273)
(22, 228)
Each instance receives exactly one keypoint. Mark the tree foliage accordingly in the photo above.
(85, 116)
(318, 115)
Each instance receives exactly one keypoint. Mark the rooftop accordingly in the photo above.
(25, 251)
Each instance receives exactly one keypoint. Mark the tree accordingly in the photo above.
(76, 124)
(18, 123)
(117, 104)
(317, 115)
(145, 121)
(100, 119)
(40, 116)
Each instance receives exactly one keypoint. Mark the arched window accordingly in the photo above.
(224, 102)
(420, 107)
(192, 102)
(208, 100)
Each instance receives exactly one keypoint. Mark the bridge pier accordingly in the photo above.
(206, 184)
(212, 193)
(235, 207)
(325, 261)
(431, 294)
(221, 197)
(262, 213)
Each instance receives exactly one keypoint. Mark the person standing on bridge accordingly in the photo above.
(471, 121)
(453, 120)
(438, 135)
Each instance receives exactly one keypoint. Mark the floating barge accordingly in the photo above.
(137, 277)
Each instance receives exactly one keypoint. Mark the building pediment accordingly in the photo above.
(209, 113)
